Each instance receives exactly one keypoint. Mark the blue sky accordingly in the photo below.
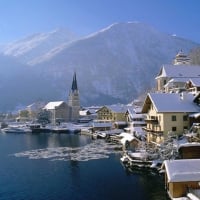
(19, 18)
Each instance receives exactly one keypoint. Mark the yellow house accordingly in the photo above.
(167, 113)
(112, 113)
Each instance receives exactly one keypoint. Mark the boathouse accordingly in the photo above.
(182, 178)
(189, 150)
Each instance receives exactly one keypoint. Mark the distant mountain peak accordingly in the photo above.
(35, 45)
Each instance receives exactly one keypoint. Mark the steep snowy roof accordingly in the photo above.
(179, 71)
(118, 108)
(126, 137)
(182, 170)
(173, 81)
(173, 102)
(195, 81)
(189, 144)
(53, 104)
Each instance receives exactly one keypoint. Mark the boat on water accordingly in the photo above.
(16, 130)
(58, 129)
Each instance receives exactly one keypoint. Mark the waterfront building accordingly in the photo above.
(34, 108)
(112, 113)
(59, 111)
(136, 122)
(168, 113)
(66, 111)
(74, 101)
(189, 150)
(182, 178)
(101, 126)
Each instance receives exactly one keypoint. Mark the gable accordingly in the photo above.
(161, 73)
(147, 104)
(170, 102)
(103, 109)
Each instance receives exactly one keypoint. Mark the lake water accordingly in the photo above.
(72, 167)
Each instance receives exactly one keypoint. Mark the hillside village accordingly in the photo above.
(167, 120)
(172, 107)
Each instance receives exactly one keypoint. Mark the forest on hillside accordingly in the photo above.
(195, 56)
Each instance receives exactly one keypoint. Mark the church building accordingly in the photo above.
(74, 101)
(66, 111)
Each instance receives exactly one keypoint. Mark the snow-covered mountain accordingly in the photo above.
(113, 65)
(37, 44)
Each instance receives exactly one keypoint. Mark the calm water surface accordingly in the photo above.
(72, 167)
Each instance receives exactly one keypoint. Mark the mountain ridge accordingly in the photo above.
(113, 65)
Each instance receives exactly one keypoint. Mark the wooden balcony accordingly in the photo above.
(151, 121)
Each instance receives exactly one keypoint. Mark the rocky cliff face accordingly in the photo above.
(113, 65)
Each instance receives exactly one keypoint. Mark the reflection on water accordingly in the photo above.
(49, 166)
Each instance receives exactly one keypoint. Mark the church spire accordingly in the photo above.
(74, 83)
(73, 100)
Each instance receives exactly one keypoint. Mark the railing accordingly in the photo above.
(151, 121)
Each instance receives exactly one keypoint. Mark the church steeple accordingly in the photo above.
(74, 101)
(74, 83)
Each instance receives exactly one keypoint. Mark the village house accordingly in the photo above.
(34, 108)
(112, 113)
(88, 114)
(182, 178)
(173, 78)
(136, 122)
(167, 113)
(193, 85)
(100, 126)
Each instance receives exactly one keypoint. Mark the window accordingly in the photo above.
(185, 118)
(173, 117)
(173, 128)
(185, 128)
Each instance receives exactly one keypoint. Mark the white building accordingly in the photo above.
(66, 111)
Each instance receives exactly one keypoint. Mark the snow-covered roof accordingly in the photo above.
(195, 115)
(178, 80)
(118, 108)
(101, 124)
(195, 81)
(126, 137)
(35, 106)
(135, 112)
(53, 104)
(182, 170)
(179, 71)
(189, 144)
(173, 102)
